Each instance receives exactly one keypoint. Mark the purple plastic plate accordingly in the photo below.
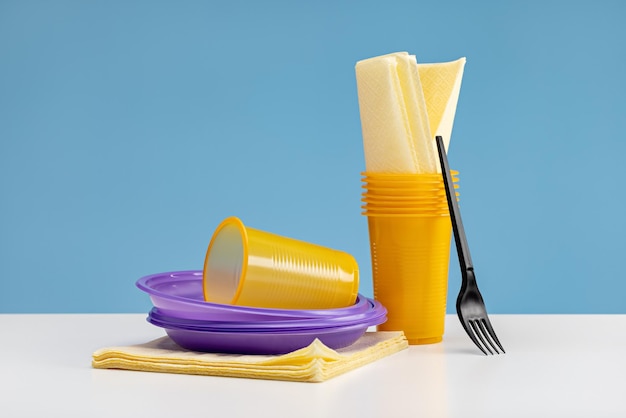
(179, 294)
(377, 315)
(263, 342)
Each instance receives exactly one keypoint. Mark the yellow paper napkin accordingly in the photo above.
(387, 86)
(403, 106)
(441, 83)
(315, 363)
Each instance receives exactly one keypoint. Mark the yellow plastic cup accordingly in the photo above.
(410, 234)
(410, 258)
(248, 267)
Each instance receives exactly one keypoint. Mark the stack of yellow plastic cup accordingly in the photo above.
(410, 233)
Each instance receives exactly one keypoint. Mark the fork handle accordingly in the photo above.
(462, 248)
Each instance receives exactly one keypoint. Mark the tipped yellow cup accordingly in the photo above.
(249, 267)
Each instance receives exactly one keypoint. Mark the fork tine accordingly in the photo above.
(479, 334)
(485, 332)
(470, 333)
(492, 334)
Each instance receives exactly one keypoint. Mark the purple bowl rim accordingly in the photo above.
(377, 315)
(141, 284)
(323, 330)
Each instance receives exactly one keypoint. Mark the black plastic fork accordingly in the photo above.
(470, 306)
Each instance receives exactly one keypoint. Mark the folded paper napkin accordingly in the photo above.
(315, 363)
(403, 106)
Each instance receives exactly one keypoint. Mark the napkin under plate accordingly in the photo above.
(314, 363)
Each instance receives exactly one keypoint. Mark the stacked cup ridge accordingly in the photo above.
(410, 235)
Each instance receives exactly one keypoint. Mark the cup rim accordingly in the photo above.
(427, 208)
(408, 186)
(405, 215)
(390, 174)
(403, 210)
(403, 198)
(400, 195)
(230, 221)
(403, 180)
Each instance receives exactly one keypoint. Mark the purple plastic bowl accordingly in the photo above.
(377, 315)
(179, 294)
(263, 342)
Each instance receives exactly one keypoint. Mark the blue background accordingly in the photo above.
(129, 130)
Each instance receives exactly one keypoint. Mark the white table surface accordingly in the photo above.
(555, 366)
